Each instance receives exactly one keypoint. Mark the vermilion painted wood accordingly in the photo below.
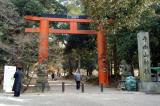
(34, 18)
(102, 67)
(43, 41)
(63, 31)
(44, 31)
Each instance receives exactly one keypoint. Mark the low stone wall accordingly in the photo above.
(149, 87)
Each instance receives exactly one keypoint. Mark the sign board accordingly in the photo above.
(8, 78)
(144, 56)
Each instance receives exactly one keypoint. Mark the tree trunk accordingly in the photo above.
(70, 66)
(79, 62)
(87, 72)
(115, 60)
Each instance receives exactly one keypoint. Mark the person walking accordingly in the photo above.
(77, 77)
(53, 76)
(17, 82)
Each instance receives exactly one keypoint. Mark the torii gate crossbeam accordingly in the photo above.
(44, 31)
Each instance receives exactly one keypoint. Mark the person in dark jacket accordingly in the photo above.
(53, 76)
(17, 82)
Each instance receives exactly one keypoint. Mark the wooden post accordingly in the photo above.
(102, 58)
(43, 40)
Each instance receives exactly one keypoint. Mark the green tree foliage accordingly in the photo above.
(15, 45)
(38, 7)
(53, 6)
(28, 7)
(74, 7)
(8, 25)
(80, 51)
(83, 50)
(125, 13)
(129, 17)
(127, 39)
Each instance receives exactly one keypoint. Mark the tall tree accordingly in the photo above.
(9, 24)
(127, 18)
(15, 44)
(74, 7)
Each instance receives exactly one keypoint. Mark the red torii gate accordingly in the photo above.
(44, 31)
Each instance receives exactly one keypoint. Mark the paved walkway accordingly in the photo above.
(72, 97)
(81, 99)
(70, 87)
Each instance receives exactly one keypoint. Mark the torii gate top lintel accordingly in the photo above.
(36, 18)
(73, 25)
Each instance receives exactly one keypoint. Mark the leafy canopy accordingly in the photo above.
(125, 13)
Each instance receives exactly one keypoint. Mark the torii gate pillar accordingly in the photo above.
(43, 41)
(102, 58)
